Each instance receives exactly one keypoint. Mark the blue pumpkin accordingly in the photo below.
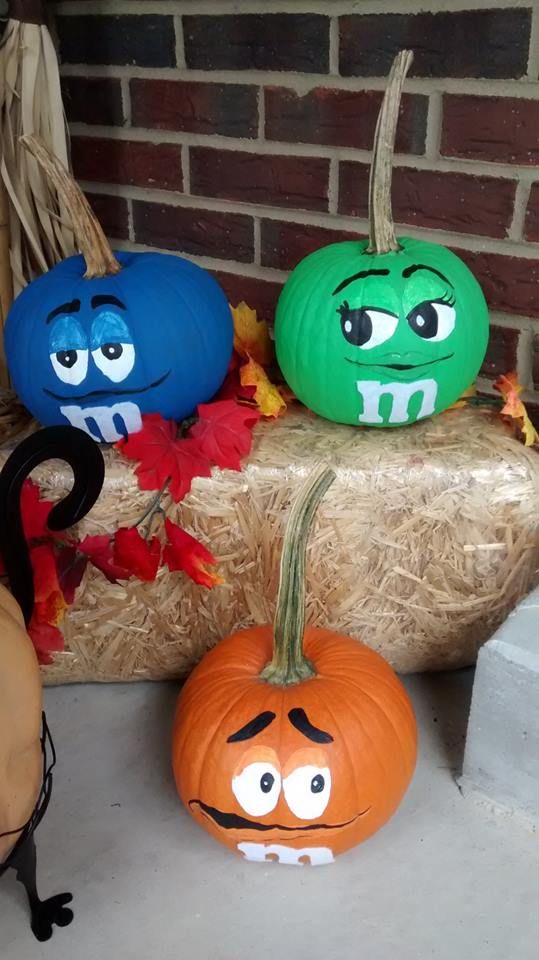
(103, 338)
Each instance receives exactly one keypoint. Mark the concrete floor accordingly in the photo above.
(445, 879)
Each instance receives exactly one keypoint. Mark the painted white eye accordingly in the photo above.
(70, 366)
(366, 327)
(115, 360)
(257, 788)
(433, 320)
(307, 791)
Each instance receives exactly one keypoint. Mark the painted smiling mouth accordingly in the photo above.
(400, 366)
(231, 821)
(108, 393)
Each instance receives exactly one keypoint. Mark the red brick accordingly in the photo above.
(127, 162)
(228, 236)
(466, 43)
(112, 213)
(93, 100)
(300, 182)
(499, 129)
(531, 226)
(261, 295)
(142, 40)
(284, 243)
(510, 284)
(501, 352)
(441, 201)
(343, 118)
(282, 41)
(228, 109)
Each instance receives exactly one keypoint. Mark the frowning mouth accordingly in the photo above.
(400, 366)
(109, 392)
(231, 821)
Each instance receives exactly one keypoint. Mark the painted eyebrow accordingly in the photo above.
(72, 307)
(101, 299)
(299, 719)
(359, 276)
(256, 725)
(422, 266)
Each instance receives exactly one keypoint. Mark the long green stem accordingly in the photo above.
(289, 664)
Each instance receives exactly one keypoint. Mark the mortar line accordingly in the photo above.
(434, 126)
(130, 219)
(522, 195)
(333, 66)
(179, 45)
(524, 359)
(533, 58)
(126, 101)
(186, 169)
(472, 242)
(281, 148)
(257, 241)
(333, 185)
(304, 82)
(261, 104)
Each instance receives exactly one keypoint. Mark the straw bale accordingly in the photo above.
(422, 546)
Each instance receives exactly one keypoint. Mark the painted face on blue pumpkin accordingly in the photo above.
(155, 338)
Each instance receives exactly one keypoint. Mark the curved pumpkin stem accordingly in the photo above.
(381, 228)
(289, 663)
(90, 239)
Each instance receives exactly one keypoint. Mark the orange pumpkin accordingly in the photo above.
(291, 743)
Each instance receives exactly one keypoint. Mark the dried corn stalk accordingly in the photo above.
(31, 103)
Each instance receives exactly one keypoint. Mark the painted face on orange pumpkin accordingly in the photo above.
(280, 803)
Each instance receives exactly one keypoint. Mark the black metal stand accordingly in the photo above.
(44, 913)
(22, 859)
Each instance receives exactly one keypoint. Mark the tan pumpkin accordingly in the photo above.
(25, 778)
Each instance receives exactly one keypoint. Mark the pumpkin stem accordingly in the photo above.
(289, 664)
(90, 239)
(381, 228)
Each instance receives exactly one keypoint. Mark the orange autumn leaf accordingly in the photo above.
(510, 389)
(251, 335)
(531, 437)
(267, 397)
(49, 605)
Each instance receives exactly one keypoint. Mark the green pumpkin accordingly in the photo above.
(381, 332)
(380, 339)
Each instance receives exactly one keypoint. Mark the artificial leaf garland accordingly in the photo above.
(510, 389)
(169, 456)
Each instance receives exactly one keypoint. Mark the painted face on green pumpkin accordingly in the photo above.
(381, 340)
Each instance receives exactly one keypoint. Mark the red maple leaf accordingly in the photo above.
(47, 639)
(71, 566)
(163, 456)
(35, 512)
(100, 552)
(223, 431)
(140, 556)
(184, 552)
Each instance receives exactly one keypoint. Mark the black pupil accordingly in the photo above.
(424, 320)
(112, 351)
(266, 782)
(67, 358)
(356, 325)
(317, 783)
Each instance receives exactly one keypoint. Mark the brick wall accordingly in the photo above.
(238, 133)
